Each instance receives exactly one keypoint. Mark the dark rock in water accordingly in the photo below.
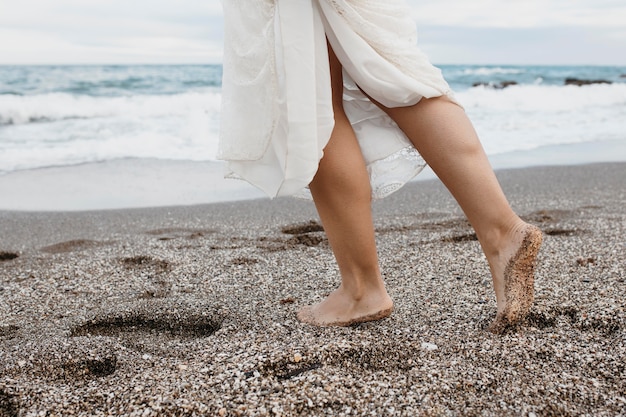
(623, 76)
(579, 82)
(497, 86)
(505, 84)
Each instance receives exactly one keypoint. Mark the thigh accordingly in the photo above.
(433, 124)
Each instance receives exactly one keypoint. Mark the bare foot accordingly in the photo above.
(515, 284)
(341, 309)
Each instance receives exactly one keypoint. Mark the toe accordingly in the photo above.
(305, 315)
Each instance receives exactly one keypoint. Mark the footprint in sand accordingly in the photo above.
(72, 246)
(150, 325)
(54, 358)
(385, 355)
(303, 234)
(468, 237)
(564, 232)
(8, 256)
(243, 260)
(144, 323)
(8, 404)
(307, 234)
(300, 229)
(8, 332)
(144, 261)
(98, 368)
(607, 325)
(555, 217)
(285, 368)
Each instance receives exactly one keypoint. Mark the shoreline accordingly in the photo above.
(141, 183)
(191, 309)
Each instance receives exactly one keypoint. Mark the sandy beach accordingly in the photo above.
(191, 310)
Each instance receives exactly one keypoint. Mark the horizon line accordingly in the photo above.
(86, 64)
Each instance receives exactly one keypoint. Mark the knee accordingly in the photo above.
(345, 190)
(344, 177)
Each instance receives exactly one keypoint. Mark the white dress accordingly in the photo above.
(276, 97)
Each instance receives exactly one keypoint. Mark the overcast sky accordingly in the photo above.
(190, 31)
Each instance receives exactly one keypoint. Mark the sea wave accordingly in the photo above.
(61, 129)
(531, 116)
(492, 70)
(546, 97)
(51, 107)
(55, 129)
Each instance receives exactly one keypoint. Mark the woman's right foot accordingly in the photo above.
(341, 309)
(515, 283)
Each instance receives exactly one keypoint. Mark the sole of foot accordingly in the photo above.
(307, 315)
(519, 281)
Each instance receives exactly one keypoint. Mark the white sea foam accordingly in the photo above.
(62, 129)
(530, 116)
(491, 71)
(16, 109)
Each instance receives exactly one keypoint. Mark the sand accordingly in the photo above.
(191, 310)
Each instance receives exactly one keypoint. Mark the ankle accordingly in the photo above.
(362, 288)
(497, 239)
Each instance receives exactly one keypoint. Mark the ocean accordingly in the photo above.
(57, 116)
(66, 115)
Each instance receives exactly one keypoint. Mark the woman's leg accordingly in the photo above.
(444, 136)
(342, 195)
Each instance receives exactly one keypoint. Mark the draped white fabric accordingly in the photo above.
(277, 112)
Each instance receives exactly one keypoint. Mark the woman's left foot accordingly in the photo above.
(515, 286)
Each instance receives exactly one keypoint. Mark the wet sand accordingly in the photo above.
(191, 310)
